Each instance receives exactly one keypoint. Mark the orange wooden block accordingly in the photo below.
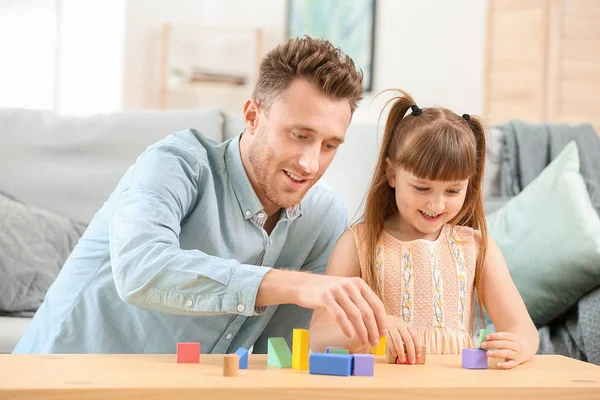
(423, 358)
(391, 359)
(231, 365)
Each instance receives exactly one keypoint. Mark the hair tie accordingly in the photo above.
(467, 117)
(415, 110)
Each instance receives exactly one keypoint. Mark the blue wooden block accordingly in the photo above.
(243, 355)
(330, 364)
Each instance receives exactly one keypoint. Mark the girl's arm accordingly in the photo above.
(516, 339)
(324, 330)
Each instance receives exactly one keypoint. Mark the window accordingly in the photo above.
(28, 39)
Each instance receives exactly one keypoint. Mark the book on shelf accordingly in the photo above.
(198, 75)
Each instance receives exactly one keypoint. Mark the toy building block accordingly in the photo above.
(423, 358)
(231, 365)
(278, 353)
(328, 349)
(390, 358)
(481, 338)
(474, 359)
(188, 353)
(396, 360)
(363, 365)
(243, 355)
(338, 351)
(379, 350)
(300, 345)
(330, 364)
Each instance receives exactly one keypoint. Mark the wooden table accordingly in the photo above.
(159, 376)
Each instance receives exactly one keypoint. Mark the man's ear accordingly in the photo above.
(390, 173)
(251, 111)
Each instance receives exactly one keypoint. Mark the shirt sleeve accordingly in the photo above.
(290, 316)
(150, 269)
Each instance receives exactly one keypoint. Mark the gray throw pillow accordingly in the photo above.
(34, 245)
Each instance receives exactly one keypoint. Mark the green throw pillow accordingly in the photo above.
(549, 235)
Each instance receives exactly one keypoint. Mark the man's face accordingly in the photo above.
(294, 142)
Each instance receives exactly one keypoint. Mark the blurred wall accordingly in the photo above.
(434, 49)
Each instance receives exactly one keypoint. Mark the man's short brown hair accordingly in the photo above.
(317, 61)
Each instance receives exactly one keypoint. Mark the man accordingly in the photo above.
(221, 243)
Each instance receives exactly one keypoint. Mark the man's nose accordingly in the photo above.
(309, 160)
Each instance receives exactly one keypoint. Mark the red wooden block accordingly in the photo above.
(400, 362)
(419, 360)
(188, 352)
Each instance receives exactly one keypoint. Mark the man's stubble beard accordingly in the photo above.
(261, 159)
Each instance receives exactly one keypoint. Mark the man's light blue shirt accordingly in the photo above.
(177, 254)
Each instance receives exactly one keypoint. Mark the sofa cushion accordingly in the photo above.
(34, 245)
(69, 165)
(233, 125)
(549, 235)
(11, 331)
(492, 204)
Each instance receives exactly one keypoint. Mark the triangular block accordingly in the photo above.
(481, 338)
(279, 354)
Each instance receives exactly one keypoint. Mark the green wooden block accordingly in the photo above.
(482, 334)
(339, 351)
(278, 353)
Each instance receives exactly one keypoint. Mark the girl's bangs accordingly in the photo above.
(446, 155)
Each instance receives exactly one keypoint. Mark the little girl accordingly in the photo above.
(422, 244)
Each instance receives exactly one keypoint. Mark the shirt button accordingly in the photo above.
(241, 308)
(248, 212)
(228, 336)
(270, 241)
(189, 302)
(261, 215)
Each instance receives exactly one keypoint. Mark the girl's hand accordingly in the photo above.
(505, 345)
(400, 336)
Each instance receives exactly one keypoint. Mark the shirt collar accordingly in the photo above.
(249, 203)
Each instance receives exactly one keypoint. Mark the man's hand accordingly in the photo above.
(350, 301)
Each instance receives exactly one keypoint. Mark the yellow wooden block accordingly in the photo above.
(380, 350)
(300, 345)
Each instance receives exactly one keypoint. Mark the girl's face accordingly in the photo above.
(425, 206)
